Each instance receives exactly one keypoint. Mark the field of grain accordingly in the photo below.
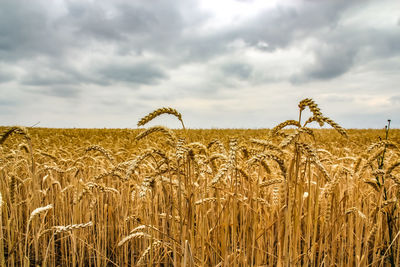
(289, 196)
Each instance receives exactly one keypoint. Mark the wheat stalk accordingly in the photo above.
(2, 259)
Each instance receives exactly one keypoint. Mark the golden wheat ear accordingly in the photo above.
(158, 112)
(14, 130)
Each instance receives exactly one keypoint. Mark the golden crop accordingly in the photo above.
(156, 196)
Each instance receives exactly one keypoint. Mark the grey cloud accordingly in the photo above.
(25, 31)
(331, 61)
(337, 98)
(56, 91)
(340, 49)
(29, 30)
(65, 92)
(43, 79)
(238, 70)
(332, 64)
(137, 74)
(7, 102)
(55, 72)
(383, 43)
(163, 27)
(135, 26)
(281, 26)
(6, 76)
(395, 99)
(365, 120)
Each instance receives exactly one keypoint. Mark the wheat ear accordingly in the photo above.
(39, 210)
(66, 228)
(321, 120)
(308, 102)
(14, 130)
(222, 171)
(272, 182)
(155, 245)
(158, 112)
(101, 150)
(282, 125)
(34, 213)
(167, 132)
(266, 144)
(134, 235)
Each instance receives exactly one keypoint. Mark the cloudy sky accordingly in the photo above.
(225, 63)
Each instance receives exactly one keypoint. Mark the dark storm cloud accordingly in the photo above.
(137, 74)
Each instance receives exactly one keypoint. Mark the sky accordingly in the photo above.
(222, 64)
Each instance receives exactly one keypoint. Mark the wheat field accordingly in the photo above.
(287, 196)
